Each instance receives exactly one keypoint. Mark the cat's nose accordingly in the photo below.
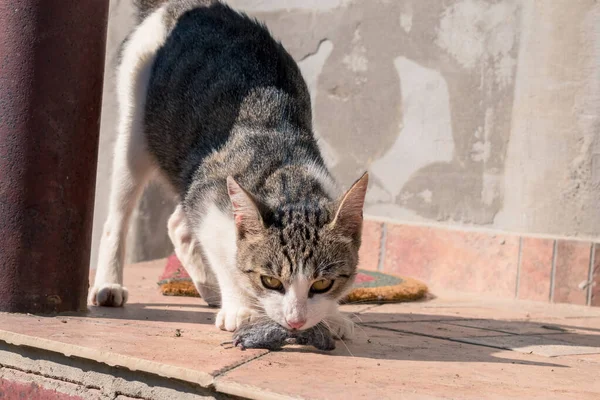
(297, 324)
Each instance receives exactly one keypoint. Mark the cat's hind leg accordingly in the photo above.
(132, 163)
(189, 253)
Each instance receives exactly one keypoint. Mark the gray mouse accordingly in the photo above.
(268, 334)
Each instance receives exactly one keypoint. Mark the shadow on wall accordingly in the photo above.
(418, 92)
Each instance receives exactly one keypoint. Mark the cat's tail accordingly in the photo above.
(145, 7)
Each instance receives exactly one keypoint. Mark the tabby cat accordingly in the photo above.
(212, 105)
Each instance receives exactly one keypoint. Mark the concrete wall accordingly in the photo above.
(466, 112)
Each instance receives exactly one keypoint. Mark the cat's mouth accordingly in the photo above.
(293, 330)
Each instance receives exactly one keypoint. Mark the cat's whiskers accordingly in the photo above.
(319, 328)
(352, 322)
(339, 337)
(355, 315)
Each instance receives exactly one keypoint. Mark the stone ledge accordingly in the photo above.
(43, 374)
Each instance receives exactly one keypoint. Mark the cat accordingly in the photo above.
(216, 108)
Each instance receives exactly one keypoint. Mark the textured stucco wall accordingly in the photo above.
(465, 112)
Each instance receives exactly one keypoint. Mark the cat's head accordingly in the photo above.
(300, 260)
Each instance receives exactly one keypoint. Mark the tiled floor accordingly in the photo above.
(450, 347)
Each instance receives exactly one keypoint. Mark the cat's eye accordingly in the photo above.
(271, 283)
(321, 286)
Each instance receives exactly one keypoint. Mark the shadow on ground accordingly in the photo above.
(412, 336)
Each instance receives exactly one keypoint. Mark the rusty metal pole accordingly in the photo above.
(51, 73)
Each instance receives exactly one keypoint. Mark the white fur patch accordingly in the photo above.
(295, 301)
(138, 57)
(218, 238)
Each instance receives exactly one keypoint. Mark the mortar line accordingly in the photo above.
(590, 284)
(228, 369)
(382, 242)
(519, 256)
(50, 376)
(553, 270)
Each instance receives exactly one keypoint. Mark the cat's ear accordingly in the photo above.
(349, 215)
(248, 220)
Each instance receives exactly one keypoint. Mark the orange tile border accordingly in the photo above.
(594, 288)
(371, 244)
(464, 261)
(504, 265)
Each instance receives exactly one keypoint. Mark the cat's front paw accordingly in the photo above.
(108, 295)
(231, 318)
